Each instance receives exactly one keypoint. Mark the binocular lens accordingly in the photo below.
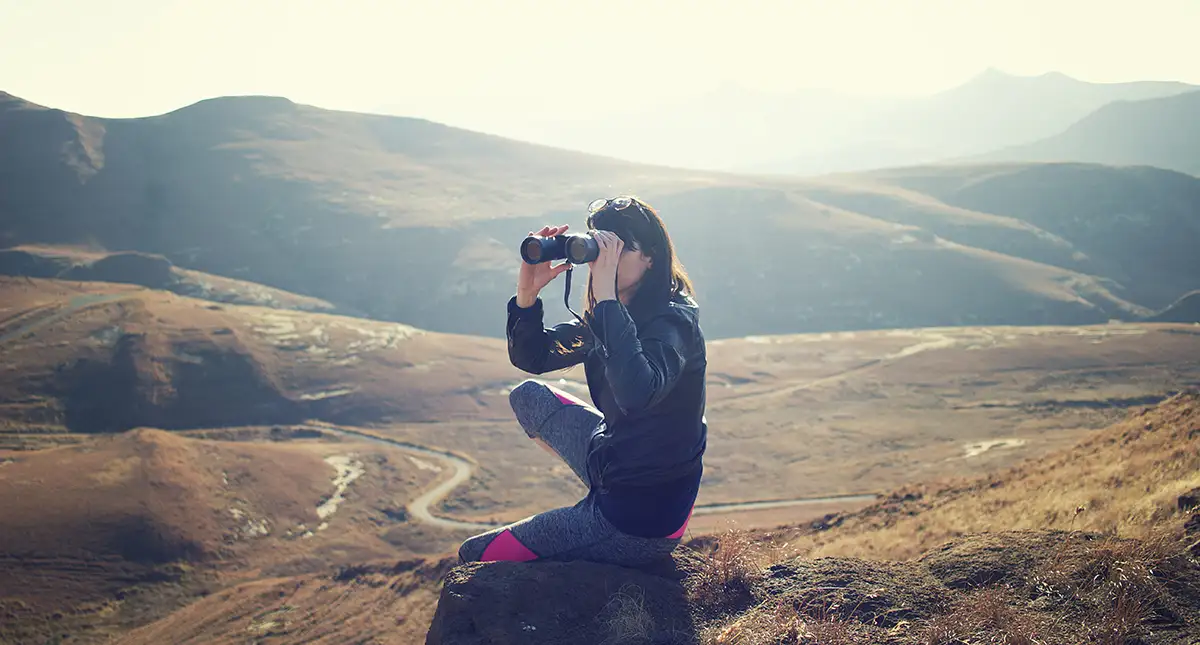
(579, 249)
(531, 249)
(576, 249)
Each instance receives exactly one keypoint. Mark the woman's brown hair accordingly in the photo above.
(640, 226)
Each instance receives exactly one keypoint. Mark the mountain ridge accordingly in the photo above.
(813, 131)
(337, 206)
(1156, 132)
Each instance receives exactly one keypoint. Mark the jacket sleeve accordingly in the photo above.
(641, 369)
(536, 349)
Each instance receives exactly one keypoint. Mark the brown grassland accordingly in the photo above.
(793, 419)
(1084, 545)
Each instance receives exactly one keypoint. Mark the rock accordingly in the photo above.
(1189, 500)
(878, 593)
(991, 558)
(496, 603)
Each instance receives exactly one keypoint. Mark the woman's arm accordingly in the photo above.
(536, 349)
(641, 368)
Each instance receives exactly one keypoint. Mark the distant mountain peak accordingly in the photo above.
(993, 72)
(247, 105)
(1055, 75)
(994, 76)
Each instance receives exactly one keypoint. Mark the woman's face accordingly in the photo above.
(630, 269)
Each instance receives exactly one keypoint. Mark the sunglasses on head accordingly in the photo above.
(616, 204)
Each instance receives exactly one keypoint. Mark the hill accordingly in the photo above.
(116, 531)
(388, 604)
(415, 222)
(1158, 132)
(1131, 480)
(150, 271)
(104, 357)
(1095, 220)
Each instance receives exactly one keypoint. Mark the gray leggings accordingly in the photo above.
(578, 532)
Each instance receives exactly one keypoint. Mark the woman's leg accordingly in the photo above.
(577, 532)
(580, 532)
(557, 420)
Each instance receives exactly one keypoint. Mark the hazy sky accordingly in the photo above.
(456, 60)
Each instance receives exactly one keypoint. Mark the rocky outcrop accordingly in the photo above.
(555, 602)
(1049, 586)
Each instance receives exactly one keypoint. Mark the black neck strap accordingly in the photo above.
(567, 294)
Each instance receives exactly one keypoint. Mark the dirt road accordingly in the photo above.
(51, 315)
(462, 470)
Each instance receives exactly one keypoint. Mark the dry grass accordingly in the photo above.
(1105, 591)
(722, 571)
(386, 605)
(774, 623)
(1119, 581)
(626, 620)
(991, 616)
(1122, 481)
(1110, 587)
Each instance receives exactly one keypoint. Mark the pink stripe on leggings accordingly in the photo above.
(506, 546)
(566, 399)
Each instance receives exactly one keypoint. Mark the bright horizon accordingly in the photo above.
(477, 64)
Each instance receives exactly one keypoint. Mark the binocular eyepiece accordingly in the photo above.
(576, 248)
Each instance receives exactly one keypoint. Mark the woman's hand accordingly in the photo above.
(532, 278)
(604, 267)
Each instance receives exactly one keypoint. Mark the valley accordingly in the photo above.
(405, 446)
(254, 381)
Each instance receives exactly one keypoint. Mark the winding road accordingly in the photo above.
(462, 470)
(937, 341)
(51, 314)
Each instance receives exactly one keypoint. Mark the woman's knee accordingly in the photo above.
(526, 393)
(534, 394)
(532, 403)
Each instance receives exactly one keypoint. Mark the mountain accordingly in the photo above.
(1161, 132)
(996, 109)
(415, 222)
(817, 131)
(1096, 220)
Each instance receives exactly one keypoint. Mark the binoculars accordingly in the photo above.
(576, 248)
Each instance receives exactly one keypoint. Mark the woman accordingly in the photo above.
(639, 450)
